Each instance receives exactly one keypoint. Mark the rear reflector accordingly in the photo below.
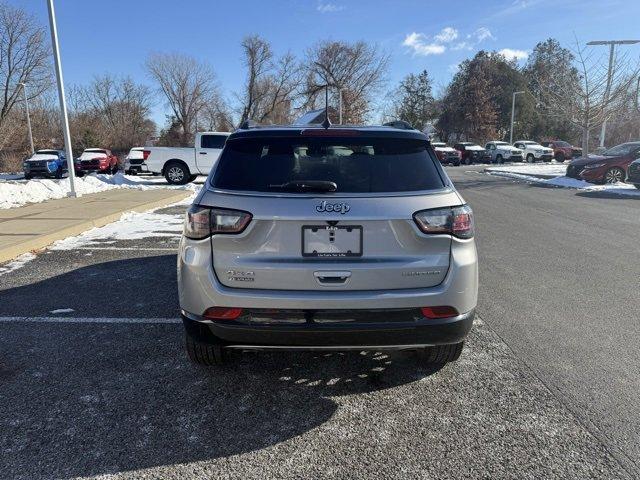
(439, 312)
(145, 154)
(222, 313)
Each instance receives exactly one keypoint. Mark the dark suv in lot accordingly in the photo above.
(327, 239)
(610, 167)
(472, 153)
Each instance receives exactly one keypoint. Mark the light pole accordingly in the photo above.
(26, 107)
(340, 106)
(63, 101)
(612, 46)
(513, 111)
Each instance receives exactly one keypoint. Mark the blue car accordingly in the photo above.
(45, 163)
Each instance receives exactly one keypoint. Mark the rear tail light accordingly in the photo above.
(145, 154)
(222, 313)
(456, 221)
(439, 312)
(200, 222)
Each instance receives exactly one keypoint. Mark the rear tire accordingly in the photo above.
(206, 354)
(637, 185)
(177, 173)
(441, 354)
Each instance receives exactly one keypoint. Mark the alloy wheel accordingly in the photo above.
(176, 174)
(614, 175)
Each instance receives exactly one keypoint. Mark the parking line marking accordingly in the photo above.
(89, 320)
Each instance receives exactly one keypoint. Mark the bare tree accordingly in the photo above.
(358, 70)
(187, 84)
(24, 58)
(122, 108)
(271, 86)
(592, 98)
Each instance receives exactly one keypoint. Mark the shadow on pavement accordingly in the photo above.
(97, 399)
(133, 287)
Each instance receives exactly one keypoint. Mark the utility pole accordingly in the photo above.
(26, 107)
(612, 46)
(340, 106)
(513, 112)
(63, 101)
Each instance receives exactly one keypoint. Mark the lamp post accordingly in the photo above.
(612, 46)
(340, 106)
(26, 107)
(63, 101)
(513, 111)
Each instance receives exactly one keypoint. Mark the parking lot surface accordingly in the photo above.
(95, 383)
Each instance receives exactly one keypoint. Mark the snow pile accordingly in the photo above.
(17, 263)
(544, 170)
(566, 182)
(131, 226)
(17, 193)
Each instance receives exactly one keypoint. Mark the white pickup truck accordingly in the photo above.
(182, 165)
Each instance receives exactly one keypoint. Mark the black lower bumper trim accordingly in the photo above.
(393, 334)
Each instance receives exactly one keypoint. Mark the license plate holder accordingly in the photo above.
(328, 241)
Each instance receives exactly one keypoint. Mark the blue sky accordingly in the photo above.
(116, 35)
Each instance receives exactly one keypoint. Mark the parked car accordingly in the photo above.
(472, 153)
(445, 154)
(500, 152)
(610, 167)
(282, 248)
(633, 173)
(134, 161)
(99, 160)
(562, 150)
(533, 151)
(183, 165)
(45, 163)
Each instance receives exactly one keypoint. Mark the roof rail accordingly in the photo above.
(400, 124)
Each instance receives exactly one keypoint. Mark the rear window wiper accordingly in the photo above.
(320, 186)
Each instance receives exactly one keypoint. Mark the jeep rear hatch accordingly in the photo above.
(328, 213)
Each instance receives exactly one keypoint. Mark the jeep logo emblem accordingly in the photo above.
(341, 208)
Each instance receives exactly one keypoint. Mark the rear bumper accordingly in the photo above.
(395, 333)
(199, 287)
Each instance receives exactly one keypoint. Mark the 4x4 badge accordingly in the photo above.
(341, 207)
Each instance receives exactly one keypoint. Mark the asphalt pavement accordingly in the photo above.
(95, 383)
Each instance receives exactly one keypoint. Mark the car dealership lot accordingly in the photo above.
(547, 387)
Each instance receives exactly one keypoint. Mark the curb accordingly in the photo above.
(42, 241)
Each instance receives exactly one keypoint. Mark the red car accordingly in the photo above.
(610, 167)
(98, 160)
(562, 150)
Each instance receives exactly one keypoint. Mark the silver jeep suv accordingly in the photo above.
(327, 239)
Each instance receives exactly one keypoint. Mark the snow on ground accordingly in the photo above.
(131, 226)
(547, 170)
(559, 181)
(17, 263)
(15, 193)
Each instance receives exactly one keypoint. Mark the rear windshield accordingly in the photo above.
(361, 165)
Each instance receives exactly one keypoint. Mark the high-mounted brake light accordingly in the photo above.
(201, 222)
(456, 221)
(329, 132)
(222, 313)
(145, 154)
